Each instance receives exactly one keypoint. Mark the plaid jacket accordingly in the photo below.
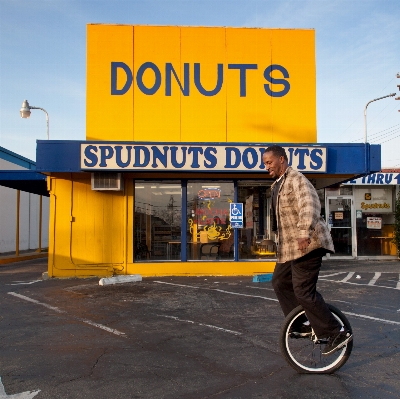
(298, 212)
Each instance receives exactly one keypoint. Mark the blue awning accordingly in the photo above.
(29, 181)
(339, 159)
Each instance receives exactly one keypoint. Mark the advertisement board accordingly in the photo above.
(200, 84)
(376, 200)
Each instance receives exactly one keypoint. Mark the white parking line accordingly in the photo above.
(330, 275)
(21, 395)
(201, 324)
(252, 296)
(363, 316)
(179, 285)
(92, 323)
(35, 301)
(348, 277)
(375, 278)
(218, 290)
(348, 282)
(260, 288)
(25, 282)
(275, 300)
(398, 284)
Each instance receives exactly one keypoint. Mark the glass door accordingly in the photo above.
(339, 213)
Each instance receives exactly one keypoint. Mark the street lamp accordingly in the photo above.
(25, 112)
(365, 114)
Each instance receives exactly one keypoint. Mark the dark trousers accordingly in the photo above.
(295, 283)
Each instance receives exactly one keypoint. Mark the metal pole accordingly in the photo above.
(365, 113)
(17, 226)
(40, 223)
(47, 119)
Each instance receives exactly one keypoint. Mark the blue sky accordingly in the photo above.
(43, 60)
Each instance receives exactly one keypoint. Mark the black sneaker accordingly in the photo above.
(337, 342)
(300, 331)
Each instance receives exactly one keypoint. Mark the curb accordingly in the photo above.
(12, 258)
(120, 279)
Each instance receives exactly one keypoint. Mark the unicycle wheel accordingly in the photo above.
(304, 354)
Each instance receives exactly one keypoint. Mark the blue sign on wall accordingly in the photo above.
(236, 215)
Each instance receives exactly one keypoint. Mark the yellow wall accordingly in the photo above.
(86, 229)
(91, 234)
(226, 116)
(113, 119)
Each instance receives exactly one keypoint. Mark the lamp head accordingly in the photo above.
(25, 110)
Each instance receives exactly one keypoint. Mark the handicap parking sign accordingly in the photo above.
(236, 215)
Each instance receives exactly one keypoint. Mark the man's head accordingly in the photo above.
(275, 161)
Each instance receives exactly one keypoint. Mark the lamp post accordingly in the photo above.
(25, 112)
(365, 113)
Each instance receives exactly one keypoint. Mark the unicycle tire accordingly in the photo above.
(304, 354)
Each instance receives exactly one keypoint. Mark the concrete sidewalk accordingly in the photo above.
(22, 256)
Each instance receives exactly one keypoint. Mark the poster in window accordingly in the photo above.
(374, 223)
(338, 215)
(249, 212)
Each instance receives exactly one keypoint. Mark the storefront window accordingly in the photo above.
(158, 215)
(375, 235)
(209, 233)
(375, 221)
(255, 239)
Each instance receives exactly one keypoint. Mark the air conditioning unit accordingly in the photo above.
(107, 181)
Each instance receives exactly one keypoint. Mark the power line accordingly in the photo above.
(382, 136)
(388, 113)
(373, 135)
(352, 123)
(388, 84)
(390, 139)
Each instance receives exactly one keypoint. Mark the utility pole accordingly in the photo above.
(398, 86)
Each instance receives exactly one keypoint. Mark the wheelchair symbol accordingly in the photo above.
(234, 210)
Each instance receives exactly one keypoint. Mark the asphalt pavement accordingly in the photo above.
(187, 337)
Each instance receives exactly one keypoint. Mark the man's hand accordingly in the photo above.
(303, 243)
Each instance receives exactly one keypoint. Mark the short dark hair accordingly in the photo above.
(278, 151)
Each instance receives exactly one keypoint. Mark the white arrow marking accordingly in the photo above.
(22, 395)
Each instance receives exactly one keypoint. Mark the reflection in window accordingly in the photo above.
(158, 215)
(209, 233)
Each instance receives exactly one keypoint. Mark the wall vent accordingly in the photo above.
(106, 181)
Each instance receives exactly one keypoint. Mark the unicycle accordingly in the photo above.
(304, 354)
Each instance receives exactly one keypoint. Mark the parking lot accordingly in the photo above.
(187, 337)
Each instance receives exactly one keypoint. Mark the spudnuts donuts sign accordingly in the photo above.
(189, 157)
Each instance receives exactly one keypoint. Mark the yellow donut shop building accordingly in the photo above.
(170, 180)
